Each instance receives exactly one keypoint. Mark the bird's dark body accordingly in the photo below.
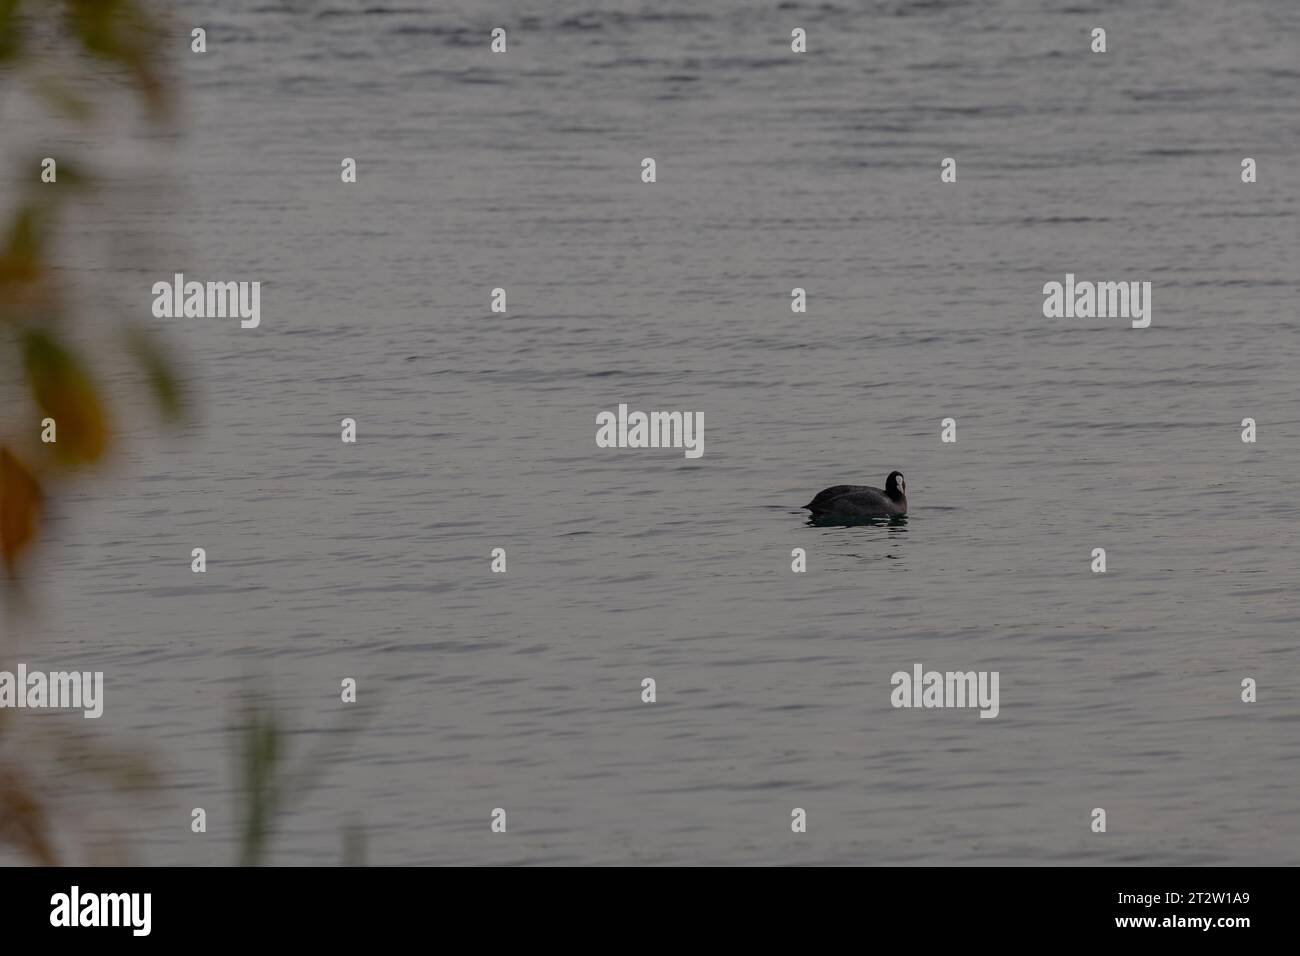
(862, 501)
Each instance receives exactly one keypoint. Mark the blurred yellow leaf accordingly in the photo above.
(65, 393)
(20, 258)
(20, 509)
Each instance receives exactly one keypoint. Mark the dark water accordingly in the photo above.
(476, 431)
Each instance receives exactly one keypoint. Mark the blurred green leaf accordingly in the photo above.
(267, 782)
(122, 32)
(260, 752)
(66, 394)
(11, 35)
(167, 387)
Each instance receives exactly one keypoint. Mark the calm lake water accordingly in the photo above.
(476, 430)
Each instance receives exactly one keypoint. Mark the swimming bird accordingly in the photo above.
(862, 501)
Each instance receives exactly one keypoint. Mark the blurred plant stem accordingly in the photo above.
(267, 782)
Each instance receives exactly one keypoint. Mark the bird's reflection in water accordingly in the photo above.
(895, 523)
(895, 528)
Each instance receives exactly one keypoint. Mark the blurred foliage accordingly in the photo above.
(71, 57)
(125, 34)
(29, 800)
(23, 822)
(21, 260)
(11, 34)
(20, 508)
(261, 752)
(95, 40)
(268, 782)
(160, 372)
(89, 42)
(64, 392)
